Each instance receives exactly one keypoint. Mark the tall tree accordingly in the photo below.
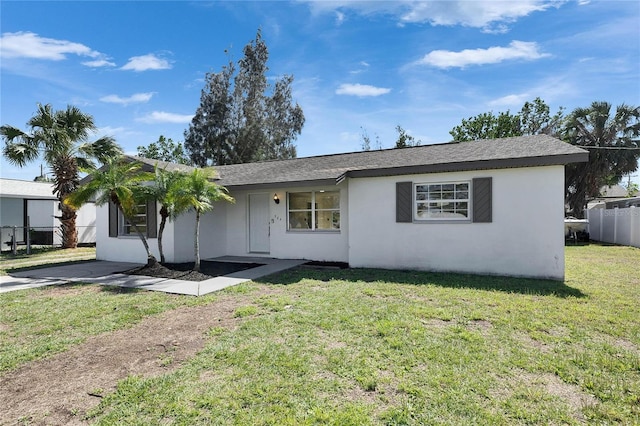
(61, 138)
(164, 150)
(241, 117)
(405, 139)
(119, 182)
(366, 140)
(487, 126)
(209, 136)
(536, 118)
(200, 194)
(614, 148)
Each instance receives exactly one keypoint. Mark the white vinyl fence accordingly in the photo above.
(617, 226)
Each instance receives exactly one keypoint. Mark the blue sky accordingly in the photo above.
(138, 67)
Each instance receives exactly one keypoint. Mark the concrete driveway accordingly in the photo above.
(110, 273)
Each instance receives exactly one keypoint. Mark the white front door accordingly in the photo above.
(259, 223)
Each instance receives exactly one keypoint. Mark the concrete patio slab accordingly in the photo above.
(110, 273)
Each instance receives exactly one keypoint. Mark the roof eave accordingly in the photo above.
(285, 184)
(507, 163)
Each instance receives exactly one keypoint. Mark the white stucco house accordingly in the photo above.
(483, 207)
(23, 201)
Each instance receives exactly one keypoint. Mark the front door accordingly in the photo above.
(259, 223)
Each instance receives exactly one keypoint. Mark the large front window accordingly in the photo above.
(314, 210)
(139, 217)
(442, 201)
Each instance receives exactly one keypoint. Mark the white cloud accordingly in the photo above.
(511, 100)
(99, 63)
(135, 98)
(146, 62)
(493, 55)
(364, 66)
(477, 14)
(31, 45)
(361, 90)
(165, 117)
(490, 15)
(108, 130)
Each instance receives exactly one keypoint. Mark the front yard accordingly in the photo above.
(335, 347)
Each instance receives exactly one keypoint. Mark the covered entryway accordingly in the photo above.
(259, 228)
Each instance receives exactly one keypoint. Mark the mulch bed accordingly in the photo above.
(184, 271)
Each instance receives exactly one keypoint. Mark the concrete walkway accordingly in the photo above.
(109, 273)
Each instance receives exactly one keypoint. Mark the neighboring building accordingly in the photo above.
(482, 207)
(614, 196)
(623, 203)
(22, 201)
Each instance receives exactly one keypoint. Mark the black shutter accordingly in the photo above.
(482, 200)
(404, 202)
(152, 220)
(113, 220)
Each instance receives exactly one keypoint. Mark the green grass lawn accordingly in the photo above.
(378, 347)
(43, 256)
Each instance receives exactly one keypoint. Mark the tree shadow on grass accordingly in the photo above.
(116, 289)
(113, 289)
(527, 286)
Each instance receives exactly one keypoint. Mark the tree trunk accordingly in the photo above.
(151, 260)
(68, 226)
(163, 222)
(65, 170)
(196, 266)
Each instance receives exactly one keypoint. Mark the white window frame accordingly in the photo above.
(125, 229)
(313, 211)
(457, 198)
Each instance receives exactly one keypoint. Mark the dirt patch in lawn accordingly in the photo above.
(570, 394)
(61, 389)
(184, 271)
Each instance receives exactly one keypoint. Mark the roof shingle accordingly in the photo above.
(522, 151)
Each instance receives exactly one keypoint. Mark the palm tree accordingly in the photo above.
(200, 193)
(61, 138)
(118, 182)
(613, 150)
(166, 190)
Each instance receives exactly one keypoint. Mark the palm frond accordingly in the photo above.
(20, 154)
(101, 149)
(13, 134)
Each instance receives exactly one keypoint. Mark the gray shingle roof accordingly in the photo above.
(523, 151)
(149, 164)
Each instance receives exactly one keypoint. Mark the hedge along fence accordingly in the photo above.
(617, 226)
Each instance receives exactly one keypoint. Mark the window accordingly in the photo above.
(145, 217)
(442, 201)
(139, 218)
(314, 210)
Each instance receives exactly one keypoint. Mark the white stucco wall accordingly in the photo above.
(122, 248)
(11, 211)
(86, 223)
(41, 214)
(11, 214)
(213, 235)
(177, 239)
(284, 244)
(525, 237)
